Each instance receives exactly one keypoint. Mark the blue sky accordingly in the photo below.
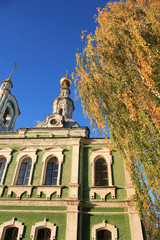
(42, 37)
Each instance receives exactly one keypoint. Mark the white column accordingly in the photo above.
(73, 193)
(136, 227)
(72, 222)
(72, 211)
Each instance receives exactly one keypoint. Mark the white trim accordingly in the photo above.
(50, 153)
(103, 226)
(11, 223)
(101, 153)
(25, 153)
(104, 153)
(43, 224)
(5, 153)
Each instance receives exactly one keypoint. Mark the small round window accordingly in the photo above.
(53, 121)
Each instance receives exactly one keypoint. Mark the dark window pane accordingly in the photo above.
(20, 181)
(2, 167)
(11, 233)
(56, 167)
(47, 182)
(28, 166)
(101, 174)
(49, 174)
(27, 174)
(49, 166)
(21, 174)
(104, 235)
(23, 166)
(24, 172)
(54, 182)
(52, 172)
(55, 174)
(44, 234)
(25, 181)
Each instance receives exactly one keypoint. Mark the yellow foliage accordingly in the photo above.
(118, 82)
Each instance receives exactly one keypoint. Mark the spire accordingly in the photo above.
(63, 108)
(9, 109)
(8, 80)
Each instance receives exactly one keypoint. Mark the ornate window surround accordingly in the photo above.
(20, 189)
(12, 223)
(103, 226)
(105, 154)
(50, 153)
(5, 153)
(97, 153)
(25, 153)
(43, 224)
(48, 190)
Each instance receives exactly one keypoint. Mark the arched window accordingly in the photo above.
(2, 167)
(104, 231)
(24, 172)
(43, 234)
(101, 173)
(61, 112)
(11, 233)
(11, 230)
(52, 172)
(104, 234)
(7, 115)
(43, 231)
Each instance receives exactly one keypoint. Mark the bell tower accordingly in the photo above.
(63, 105)
(63, 108)
(9, 109)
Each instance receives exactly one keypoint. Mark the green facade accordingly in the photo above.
(89, 212)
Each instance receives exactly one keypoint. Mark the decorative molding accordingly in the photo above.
(102, 192)
(49, 190)
(19, 190)
(43, 224)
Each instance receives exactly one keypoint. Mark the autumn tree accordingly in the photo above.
(118, 81)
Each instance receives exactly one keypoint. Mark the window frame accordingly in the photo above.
(104, 226)
(43, 224)
(12, 223)
(49, 154)
(3, 162)
(53, 170)
(108, 158)
(95, 179)
(102, 191)
(25, 153)
(24, 177)
(5, 153)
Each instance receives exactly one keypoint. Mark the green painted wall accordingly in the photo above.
(65, 174)
(118, 176)
(120, 221)
(11, 168)
(29, 219)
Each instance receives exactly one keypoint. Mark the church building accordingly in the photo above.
(58, 183)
